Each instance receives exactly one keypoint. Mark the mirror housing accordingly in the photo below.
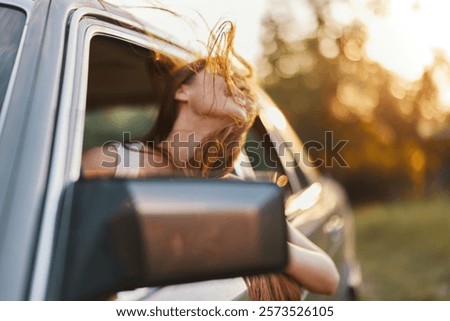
(125, 234)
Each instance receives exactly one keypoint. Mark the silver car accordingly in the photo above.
(74, 74)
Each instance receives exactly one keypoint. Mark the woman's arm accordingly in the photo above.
(309, 265)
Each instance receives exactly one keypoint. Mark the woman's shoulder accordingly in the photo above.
(99, 161)
(103, 161)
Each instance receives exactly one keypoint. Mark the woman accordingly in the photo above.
(200, 127)
(206, 111)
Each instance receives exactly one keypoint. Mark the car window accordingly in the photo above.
(124, 84)
(264, 158)
(12, 22)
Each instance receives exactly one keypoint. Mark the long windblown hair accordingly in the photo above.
(218, 151)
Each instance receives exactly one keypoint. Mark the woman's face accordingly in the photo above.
(208, 95)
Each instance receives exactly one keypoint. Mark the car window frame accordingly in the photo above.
(278, 140)
(93, 28)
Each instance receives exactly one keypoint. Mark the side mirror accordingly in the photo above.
(125, 234)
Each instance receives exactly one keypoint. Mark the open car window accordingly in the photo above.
(124, 85)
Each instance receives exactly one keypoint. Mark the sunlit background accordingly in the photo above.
(375, 73)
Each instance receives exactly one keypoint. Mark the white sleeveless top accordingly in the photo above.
(129, 161)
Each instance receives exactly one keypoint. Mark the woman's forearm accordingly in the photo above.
(310, 265)
(313, 270)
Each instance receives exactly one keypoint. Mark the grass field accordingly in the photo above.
(404, 249)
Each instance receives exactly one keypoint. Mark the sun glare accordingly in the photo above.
(404, 40)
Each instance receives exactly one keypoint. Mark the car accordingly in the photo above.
(76, 73)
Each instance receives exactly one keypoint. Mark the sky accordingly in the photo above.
(402, 39)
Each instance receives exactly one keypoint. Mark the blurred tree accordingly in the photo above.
(323, 81)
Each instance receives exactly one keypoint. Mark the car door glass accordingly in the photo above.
(12, 22)
(264, 158)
